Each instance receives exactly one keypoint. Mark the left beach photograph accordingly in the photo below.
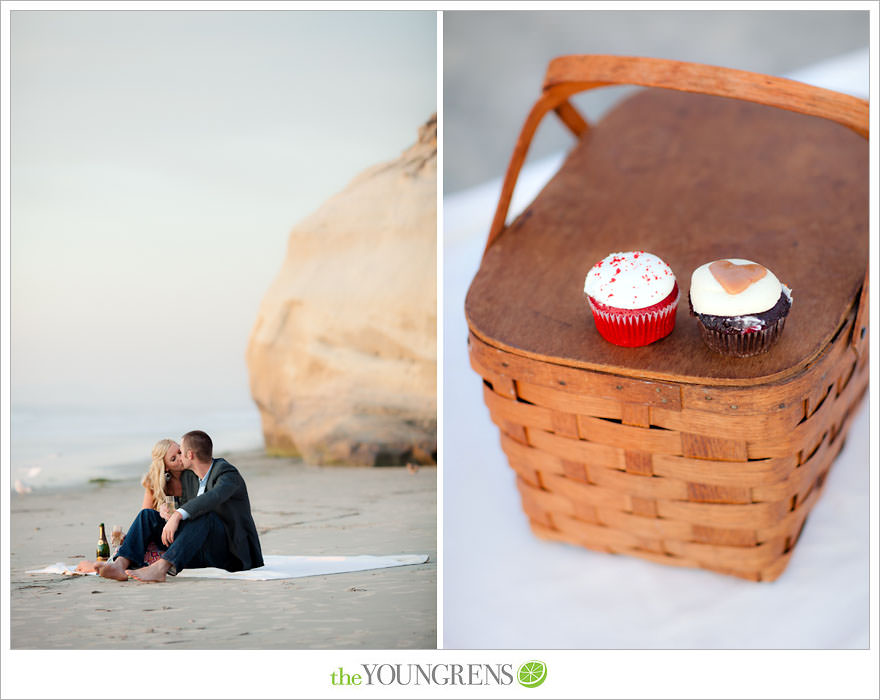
(223, 330)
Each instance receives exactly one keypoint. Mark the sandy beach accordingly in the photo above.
(298, 509)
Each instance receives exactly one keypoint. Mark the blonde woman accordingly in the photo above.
(162, 479)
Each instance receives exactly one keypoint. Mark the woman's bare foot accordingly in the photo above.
(154, 573)
(88, 567)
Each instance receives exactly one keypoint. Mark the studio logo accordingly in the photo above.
(531, 674)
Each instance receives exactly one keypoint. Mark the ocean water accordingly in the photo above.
(59, 447)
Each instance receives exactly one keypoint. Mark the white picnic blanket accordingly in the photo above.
(277, 566)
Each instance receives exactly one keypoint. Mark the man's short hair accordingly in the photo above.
(201, 445)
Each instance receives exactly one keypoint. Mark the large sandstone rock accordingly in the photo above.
(342, 358)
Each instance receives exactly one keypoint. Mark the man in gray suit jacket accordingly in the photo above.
(213, 526)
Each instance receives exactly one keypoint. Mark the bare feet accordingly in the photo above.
(154, 573)
(88, 567)
(114, 570)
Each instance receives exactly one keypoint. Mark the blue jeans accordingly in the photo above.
(198, 542)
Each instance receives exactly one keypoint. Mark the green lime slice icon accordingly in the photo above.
(531, 674)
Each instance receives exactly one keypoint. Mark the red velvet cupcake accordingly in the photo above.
(634, 297)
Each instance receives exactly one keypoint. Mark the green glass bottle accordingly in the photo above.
(103, 545)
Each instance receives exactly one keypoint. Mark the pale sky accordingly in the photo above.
(159, 160)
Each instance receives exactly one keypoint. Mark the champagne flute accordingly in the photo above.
(116, 537)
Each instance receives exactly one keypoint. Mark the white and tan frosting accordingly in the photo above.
(734, 287)
(632, 280)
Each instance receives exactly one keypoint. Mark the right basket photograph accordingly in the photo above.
(671, 329)
(672, 451)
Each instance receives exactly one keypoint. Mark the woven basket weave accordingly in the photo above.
(669, 452)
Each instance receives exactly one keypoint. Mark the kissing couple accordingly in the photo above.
(212, 527)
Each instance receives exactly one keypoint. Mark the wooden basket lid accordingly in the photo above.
(690, 178)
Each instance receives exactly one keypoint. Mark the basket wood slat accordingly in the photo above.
(710, 469)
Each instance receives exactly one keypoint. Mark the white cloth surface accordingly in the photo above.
(505, 588)
(278, 566)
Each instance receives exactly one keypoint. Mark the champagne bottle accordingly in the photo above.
(103, 545)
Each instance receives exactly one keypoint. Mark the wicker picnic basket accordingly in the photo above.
(672, 452)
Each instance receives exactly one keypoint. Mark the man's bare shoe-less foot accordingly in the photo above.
(154, 573)
(113, 570)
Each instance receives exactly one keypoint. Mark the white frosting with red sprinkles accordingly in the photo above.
(631, 280)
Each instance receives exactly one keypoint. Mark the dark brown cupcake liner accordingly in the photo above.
(742, 344)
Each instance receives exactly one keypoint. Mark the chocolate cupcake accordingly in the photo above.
(741, 306)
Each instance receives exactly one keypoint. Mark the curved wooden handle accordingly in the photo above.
(569, 75)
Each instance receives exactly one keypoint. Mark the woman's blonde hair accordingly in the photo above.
(155, 478)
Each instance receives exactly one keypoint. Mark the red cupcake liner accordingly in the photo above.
(632, 328)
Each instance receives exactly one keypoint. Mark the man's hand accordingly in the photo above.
(170, 528)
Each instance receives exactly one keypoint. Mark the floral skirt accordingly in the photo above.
(153, 553)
